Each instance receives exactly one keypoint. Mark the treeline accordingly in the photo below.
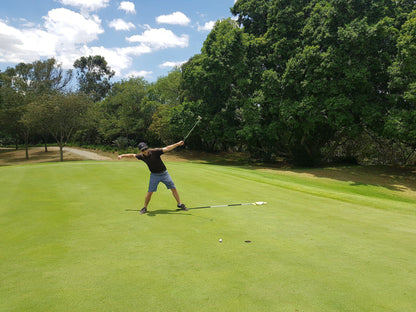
(307, 81)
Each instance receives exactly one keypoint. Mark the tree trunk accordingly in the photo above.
(61, 150)
(26, 145)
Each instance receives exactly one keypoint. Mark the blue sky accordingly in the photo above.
(137, 37)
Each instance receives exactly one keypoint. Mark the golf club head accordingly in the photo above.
(259, 203)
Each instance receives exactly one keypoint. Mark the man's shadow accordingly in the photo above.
(154, 213)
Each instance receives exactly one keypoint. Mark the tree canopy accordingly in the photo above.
(294, 78)
(307, 80)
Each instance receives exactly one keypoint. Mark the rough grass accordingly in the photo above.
(71, 240)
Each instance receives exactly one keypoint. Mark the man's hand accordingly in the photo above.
(180, 143)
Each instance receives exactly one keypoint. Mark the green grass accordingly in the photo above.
(67, 242)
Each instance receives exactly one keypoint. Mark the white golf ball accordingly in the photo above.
(220, 240)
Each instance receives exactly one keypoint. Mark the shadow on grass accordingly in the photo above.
(402, 179)
(154, 213)
(395, 178)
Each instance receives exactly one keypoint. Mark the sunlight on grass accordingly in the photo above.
(72, 240)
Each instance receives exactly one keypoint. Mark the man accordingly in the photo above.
(158, 172)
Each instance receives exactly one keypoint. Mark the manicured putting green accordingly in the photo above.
(71, 242)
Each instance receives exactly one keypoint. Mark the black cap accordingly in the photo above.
(143, 146)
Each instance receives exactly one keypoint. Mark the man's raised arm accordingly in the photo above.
(173, 146)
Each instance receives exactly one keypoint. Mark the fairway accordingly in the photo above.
(71, 239)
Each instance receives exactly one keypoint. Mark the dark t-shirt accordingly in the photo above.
(153, 161)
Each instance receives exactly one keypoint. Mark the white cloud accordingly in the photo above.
(136, 50)
(116, 58)
(207, 26)
(24, 45)
(127, 6)
(176, 18)
(141, 73)
(71, 28)
(26, 23)
(67, 35)
(62, 33)
(86, 5)
(160, 38)
(119, 24)
(171, 64)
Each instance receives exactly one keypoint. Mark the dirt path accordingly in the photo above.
(83, 153)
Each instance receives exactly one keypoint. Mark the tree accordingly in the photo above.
(31, 121)
(213, 81)
(40, 77)
(64, 114)
(401, 118)
(25, 83)
(11, 109)
(159, 130)
(324, 72)
(167, 90)
(252, 14)
(94, 76)
(127, 110)
(166, 94)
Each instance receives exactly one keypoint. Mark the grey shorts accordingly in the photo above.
(156, 178)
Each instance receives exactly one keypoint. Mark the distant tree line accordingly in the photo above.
(306, 81)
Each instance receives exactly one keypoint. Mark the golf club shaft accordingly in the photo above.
(192, 129)
(230, 205)
(215, 206)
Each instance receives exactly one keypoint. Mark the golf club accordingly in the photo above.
(215, 206)
(199, 119)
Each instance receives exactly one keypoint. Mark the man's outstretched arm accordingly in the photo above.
(126, 155)
(173, 146)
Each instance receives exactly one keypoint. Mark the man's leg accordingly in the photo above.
(176, 195)
(147, 198)
(167, 180)
(146, 202)
(178, 200)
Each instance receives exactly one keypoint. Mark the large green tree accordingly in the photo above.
(401, 117)
(12, 107)
(214, 80)
(166, 94)
(94, 74)
(127, 111)
(64, 114)
(40, 77)
(325, 72)
(22, 85)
